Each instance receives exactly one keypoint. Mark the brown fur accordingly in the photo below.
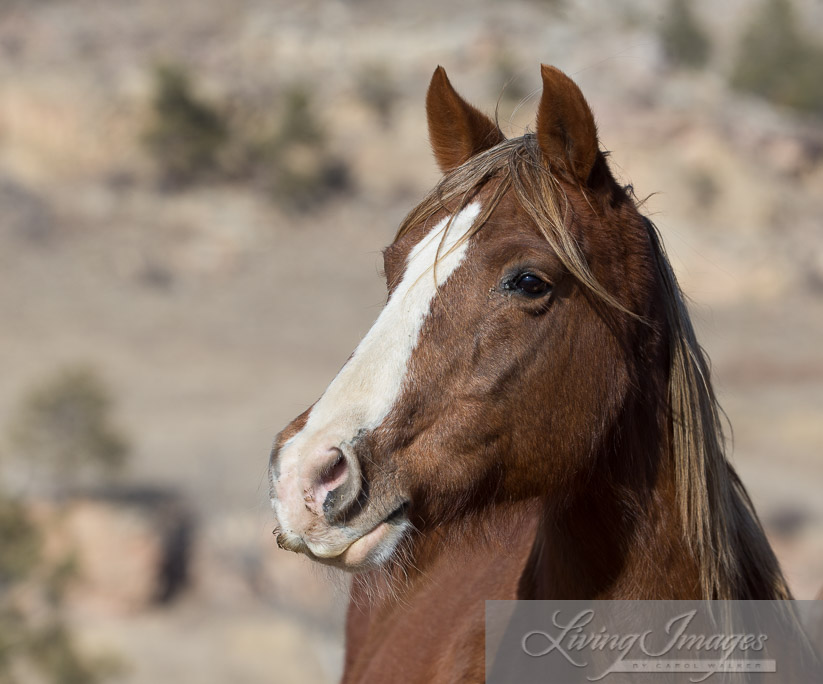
(565, 125)
(567, 446)
(459, 130)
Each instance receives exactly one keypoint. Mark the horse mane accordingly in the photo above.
(719, 522)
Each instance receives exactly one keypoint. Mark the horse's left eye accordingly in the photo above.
(530, 285)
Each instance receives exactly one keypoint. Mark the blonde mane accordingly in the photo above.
(719, 522)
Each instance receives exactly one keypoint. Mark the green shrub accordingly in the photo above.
(21, 543)
(376, 88)
(53, 652)
(185, 134)
(285, 154)
(37, 640)
(685, 42)
(293, 162)
(777, 62)
(299, 123)
(63, 427)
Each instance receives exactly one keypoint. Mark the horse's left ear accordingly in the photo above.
(457, 130)
(565, 125)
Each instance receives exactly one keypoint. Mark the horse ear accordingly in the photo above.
(565, 125)
(457, 130)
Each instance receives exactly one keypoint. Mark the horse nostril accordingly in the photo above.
(333, 475)
(336, 485)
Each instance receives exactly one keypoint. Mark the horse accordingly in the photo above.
(530, 416)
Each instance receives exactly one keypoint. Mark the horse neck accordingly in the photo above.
(621, 537)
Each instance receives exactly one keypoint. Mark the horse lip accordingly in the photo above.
(396, 517)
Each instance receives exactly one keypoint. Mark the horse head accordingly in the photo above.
(519, 326)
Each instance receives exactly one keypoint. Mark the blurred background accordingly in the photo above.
(193, 199)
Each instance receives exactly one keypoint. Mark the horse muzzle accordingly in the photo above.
(323, 508)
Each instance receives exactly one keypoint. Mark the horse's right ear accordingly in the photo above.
(457, 130)
(566, 131)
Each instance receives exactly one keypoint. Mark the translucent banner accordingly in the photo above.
(616, 642)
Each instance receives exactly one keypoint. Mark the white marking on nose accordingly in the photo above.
(367, 387)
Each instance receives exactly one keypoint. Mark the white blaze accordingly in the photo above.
(367, 387)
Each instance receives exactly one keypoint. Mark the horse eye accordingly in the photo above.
(531, 285)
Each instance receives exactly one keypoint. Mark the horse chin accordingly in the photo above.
(372, 550)
(347, 550)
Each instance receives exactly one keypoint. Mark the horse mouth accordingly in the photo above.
(356, 552)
